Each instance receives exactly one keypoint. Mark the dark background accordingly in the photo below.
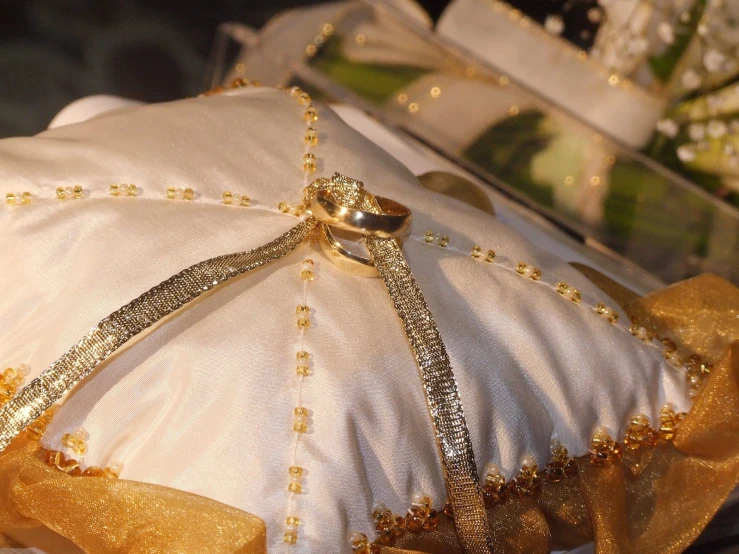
(55, 51)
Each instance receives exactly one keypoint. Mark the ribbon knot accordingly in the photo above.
(344, 191)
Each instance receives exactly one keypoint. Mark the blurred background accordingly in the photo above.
(615, 120)
(55, 51)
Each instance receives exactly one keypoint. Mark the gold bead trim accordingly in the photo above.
(11, 380)
(230, 198)
(319, 40)
(123, 190)
(569, 292)
(478, 254)
(179, 193)
(528, 482)
(13, 199)
(528, 271)
(309, 160)
(18, 198)
(37, 428)
(441, 240)
(420, 517)
(696, 368)
(301, 414)
(77, 443)
(70, 193)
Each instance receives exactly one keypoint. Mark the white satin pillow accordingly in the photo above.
(204, 402)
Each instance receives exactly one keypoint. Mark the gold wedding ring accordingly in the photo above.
(331, 245)
(342, 224)
(394, 221)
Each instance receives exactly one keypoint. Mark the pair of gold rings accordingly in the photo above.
(340, 225)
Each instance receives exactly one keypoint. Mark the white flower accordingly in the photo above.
(666, 32)
(697, 132)
(595, 15)
(686, 153)
(668, 127)
(729, 149)
(691, 80)
(716, 128)
(638, 45)
(554, 24)
(714, 60)
(714, 102)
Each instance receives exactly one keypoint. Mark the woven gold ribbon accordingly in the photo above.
(440, 387)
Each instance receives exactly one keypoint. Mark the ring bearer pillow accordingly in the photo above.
(297, 402)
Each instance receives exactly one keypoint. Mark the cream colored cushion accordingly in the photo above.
(204, 402)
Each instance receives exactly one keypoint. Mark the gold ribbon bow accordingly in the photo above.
(338, 206)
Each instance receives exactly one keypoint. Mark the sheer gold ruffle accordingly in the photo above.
(107, 516)
(655, 500)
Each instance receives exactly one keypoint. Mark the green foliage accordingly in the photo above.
(664, 64)
(376, 83)
(645, 206)
(506, 150)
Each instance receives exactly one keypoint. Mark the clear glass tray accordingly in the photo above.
(624, 209)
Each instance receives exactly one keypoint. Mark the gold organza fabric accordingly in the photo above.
(106, 516)
(654, 500)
